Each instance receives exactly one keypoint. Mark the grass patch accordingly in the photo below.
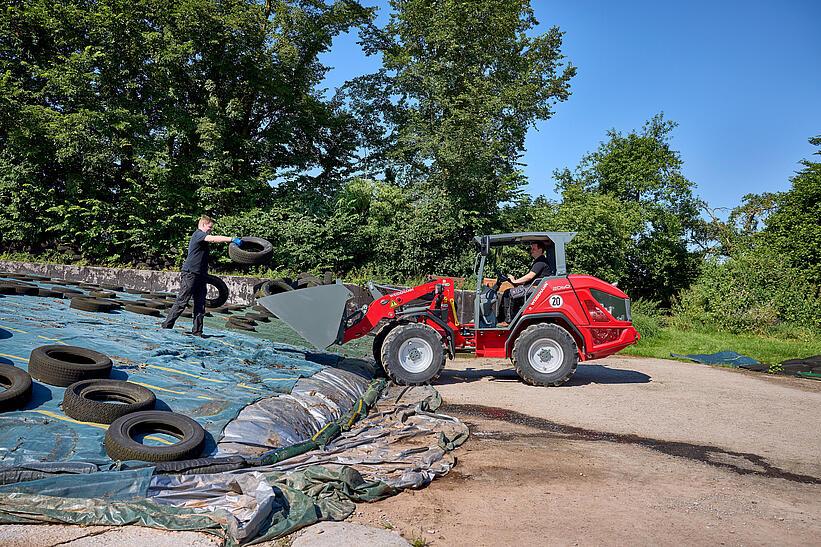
(765, 349)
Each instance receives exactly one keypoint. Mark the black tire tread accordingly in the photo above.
(62, 373)
(390, 339)
(119, 446)
(548, 329)
(241, 256)
(78, 406)
(18, 390)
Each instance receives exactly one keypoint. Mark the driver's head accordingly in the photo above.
(537, 249)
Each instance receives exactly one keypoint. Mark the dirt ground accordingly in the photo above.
(631, 451)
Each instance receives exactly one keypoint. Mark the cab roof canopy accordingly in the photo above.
(556, 241)
(496, 240)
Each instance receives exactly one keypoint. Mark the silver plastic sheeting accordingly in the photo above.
(403, 443)
(287, 419)
(244, 502)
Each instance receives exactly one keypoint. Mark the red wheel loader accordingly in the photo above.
(561, 319)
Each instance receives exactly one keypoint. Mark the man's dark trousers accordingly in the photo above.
(191, 284)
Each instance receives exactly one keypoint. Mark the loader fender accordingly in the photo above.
(547, 317)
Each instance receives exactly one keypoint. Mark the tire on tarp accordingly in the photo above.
(8, 287)
(85, 303)
(222, 289)
(59, 365)
(142, 310)
(26, 289)
(254, 250)
(120, 444)
(103, 401)
(17, 384)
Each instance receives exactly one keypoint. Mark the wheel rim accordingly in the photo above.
(415, 355)
(545, 356)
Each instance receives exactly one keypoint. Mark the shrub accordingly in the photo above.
(648, 318)
(753, 291)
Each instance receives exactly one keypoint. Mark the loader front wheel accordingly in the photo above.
(545, 354)
(413, 354)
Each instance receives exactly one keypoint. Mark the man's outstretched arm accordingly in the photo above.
(222, 239)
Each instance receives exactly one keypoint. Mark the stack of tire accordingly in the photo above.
(90, 396)
(20, 286)
(303, 280)
(154, 303)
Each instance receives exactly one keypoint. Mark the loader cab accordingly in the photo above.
(490, 267)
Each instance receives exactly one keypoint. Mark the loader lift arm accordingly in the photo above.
(394, 307)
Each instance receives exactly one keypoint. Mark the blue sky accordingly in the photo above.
(742, 79)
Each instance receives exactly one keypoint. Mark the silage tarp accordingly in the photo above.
(260, 402)
(208, 379)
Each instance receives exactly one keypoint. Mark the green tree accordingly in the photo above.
(794, 228)
(461, 84)
(120, 121)
(642, 174)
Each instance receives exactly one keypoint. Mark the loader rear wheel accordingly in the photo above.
(545, 354)
(412, 354)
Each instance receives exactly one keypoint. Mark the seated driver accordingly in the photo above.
(539, 269)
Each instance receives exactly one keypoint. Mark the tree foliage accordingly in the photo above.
(641, 234)
(461, 84)
(122, 120)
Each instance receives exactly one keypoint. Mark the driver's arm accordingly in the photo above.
(526, 278)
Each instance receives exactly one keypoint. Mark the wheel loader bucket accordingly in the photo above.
(315, 313)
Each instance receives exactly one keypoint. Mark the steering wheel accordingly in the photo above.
(500, 278)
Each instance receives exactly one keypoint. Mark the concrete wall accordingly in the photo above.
(240, 288)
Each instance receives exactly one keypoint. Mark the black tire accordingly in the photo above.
(17, 384)
(378, 340)
(48, 293)
(222, 289)
(88, 400)
(68, 293)
(254, 250)
(559, 349)
(237, 324)
(274, 286)
(115, 288)
(8, 288)
(120, 443)
(143, 310)
(135, 291)
(86, 303)
(155, 304)
(26, 289)
(59, 365)
(262, 310)
(260, 317)
(308, 281)
(408, 343)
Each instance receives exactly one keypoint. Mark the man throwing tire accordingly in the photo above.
(194, 273)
